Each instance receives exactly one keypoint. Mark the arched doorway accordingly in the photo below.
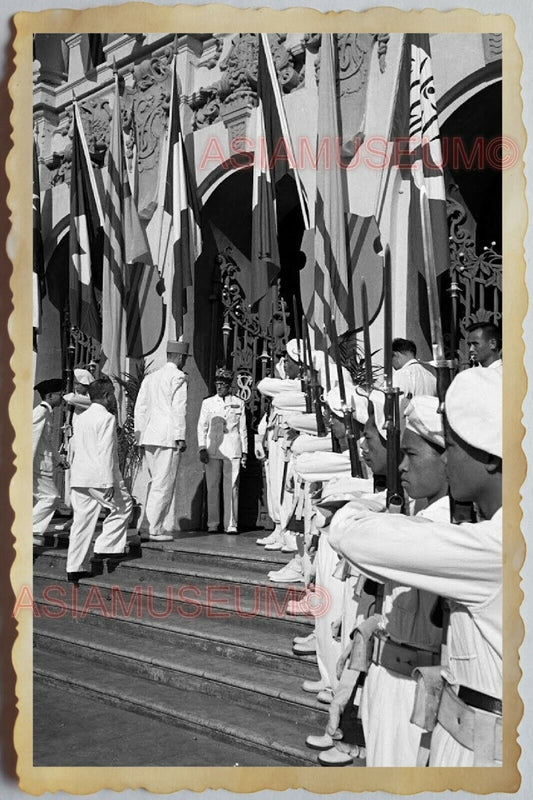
(471, 141)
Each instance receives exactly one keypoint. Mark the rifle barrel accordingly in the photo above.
(387, 323)
(366, 337)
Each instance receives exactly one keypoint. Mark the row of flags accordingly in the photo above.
(115, 282)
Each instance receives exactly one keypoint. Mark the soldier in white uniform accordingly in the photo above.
(96, 483)
(223, 449)
(45, 492)
(410, 375)
(462, 563)
(160, 427)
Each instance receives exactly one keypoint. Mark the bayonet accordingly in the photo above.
(355, 461)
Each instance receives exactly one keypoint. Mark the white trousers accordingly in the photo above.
(45, 501)
(274, 474)
(328, 649)
(162, 464)
(86, 505)
(227, 471)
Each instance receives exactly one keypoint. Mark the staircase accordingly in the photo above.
(191, 633)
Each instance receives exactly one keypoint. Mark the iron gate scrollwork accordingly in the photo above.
(250, 350)
(476, 277)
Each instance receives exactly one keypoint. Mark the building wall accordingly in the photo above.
(217, 75)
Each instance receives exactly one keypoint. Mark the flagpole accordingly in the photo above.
(285, 126)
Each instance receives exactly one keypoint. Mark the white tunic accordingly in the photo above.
(161, 407)
(460, 562)
(222, 427)
(414, 379)
(391, 739)
(95, 457)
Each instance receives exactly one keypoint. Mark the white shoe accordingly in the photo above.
(160, 537)
(308, 649)
(272, 537)
(324, 742)
(325, 696)
(337, 758)
(277, 544)
(291, 572)
(310, 639)
(289, 542)
(313, 686)
(288, 548)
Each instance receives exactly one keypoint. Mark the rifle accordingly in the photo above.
(366, 338)
(301, 359)
(67, 413)
(320, 425)
(395, 495)
(355, 461)
(335, 446)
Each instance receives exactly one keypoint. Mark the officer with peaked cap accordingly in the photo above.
(160, 428)
(223, 450)
(45, 492)
(462, 563)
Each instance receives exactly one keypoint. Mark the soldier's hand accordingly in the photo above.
(204, 456)
(244, 460)
(181, 445)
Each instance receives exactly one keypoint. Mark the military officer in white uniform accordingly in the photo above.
(223, 450)
(160, 427)
(96, 482)
(45, 492)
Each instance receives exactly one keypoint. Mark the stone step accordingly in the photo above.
(263, 732)
(205, 548)
(256, 641)
(260, 687)
(233, 589)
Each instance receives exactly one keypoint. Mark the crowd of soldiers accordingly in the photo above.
(387, 492)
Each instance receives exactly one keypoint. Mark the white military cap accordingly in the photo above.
(473, 406)
(423, 418)
(83, 376)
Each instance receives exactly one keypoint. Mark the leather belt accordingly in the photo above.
(401, 658)
(475, 729)
(479, 700)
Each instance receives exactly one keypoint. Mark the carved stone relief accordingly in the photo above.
(236, 91)
(354, 52)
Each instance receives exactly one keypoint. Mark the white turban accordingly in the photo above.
(423, 418)
(473, 407)
(296, 352)
(83, 376)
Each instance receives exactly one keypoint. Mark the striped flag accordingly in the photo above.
(85, 237)
(332, 299)
(416, 115)
(39, 284)
(125, 248)
(180, 239)
(273, 158)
